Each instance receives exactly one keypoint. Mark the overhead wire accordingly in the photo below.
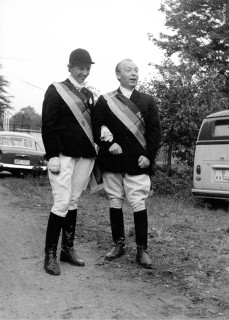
(31, 84)
(35, 86)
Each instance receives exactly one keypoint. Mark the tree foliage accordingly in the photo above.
(199, 31)
(26, 118)
(4, 97)
(185, 95)
(198, 36)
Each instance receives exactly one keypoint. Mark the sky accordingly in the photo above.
(37, 37)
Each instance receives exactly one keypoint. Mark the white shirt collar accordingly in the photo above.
(78, 86)
(126, 92)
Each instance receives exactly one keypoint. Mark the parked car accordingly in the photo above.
(211, 162)
(20, 153)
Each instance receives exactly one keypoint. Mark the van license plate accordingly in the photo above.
(222, 175)
(22, 162)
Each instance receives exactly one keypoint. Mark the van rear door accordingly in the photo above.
(213, 143)
(215, 167)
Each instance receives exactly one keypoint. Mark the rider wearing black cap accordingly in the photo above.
(70, 151)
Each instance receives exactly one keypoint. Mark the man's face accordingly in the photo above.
(128, 75)
(80, 72)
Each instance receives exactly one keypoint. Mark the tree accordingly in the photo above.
(4, 98)
(199, 84)
(27, 118)
(185, 95)
(200, 30)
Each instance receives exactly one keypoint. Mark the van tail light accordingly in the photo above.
(198, 169)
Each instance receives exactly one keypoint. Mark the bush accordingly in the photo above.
(179, 183)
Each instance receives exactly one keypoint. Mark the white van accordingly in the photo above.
(211, 162)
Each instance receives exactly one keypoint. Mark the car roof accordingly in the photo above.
(16, 133)
(224, 113)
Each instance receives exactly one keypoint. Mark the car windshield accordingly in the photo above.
(17, 142)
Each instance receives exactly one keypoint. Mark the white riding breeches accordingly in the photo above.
(136, 188)
(68, 185)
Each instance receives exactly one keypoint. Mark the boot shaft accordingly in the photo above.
(68, 230)
(117, 225)
(53, 233)
(141, 229)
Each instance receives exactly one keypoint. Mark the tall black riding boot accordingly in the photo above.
(141, 232)
(117, 229)
(68, 253)
(52, 237)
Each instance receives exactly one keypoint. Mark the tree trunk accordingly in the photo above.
(169, 159)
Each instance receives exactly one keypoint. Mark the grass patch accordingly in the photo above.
(188, 241)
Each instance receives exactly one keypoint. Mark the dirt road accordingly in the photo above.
(91, 292)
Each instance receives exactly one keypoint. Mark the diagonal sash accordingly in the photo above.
(127, 116)
(77, 107)
(132, 106)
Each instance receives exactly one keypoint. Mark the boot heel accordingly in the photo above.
(71, 257)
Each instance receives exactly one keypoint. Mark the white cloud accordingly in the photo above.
(37, 36)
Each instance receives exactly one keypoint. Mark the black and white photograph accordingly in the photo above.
(114, 159)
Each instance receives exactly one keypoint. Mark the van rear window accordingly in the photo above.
(221, 128)
(213, 131)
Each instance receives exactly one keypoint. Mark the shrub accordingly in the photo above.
(179, 183)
